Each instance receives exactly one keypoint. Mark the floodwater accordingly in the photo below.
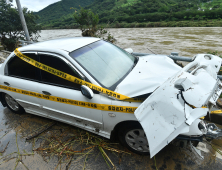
(187, 41)
(67, 147)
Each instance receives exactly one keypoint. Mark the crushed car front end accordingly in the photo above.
(176, 106)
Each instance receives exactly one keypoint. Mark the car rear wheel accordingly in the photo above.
(134, 138)
(12, 104)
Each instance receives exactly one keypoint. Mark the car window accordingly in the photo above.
(107, 63)
(19, 68)
(61, 65)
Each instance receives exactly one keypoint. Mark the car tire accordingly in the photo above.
(133, 137)
(12, 104)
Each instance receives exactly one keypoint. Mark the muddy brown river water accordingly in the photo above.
(187, 41)
(47, 151)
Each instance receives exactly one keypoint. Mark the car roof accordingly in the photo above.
(66, 44)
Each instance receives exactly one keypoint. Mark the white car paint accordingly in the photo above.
(66, 44)
(166, 113)
(150, 72)
(163, 115)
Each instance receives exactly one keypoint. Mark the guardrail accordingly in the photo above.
(175, 57)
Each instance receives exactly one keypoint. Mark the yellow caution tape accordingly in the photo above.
(213, 112)
(74, 79)
(104, 107)
(216, 112)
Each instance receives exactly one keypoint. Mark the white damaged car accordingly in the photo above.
(172, 99)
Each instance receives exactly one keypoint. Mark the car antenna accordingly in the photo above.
(151, 51)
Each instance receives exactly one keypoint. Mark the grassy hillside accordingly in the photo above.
(155, 10)
(134, 11)
(60, 9)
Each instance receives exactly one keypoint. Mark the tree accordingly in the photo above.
(11, 28)
(88, 22)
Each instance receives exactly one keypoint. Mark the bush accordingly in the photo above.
(141, 25)
(11, 28)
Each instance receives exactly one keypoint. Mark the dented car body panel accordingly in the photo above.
(149, 73)
(176, 104)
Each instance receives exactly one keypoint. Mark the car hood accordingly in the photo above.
(149, 73)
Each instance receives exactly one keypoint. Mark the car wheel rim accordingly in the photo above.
(11, 103)
(137, 140)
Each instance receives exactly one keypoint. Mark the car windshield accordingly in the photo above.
(106, 62)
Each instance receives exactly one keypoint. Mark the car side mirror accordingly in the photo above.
(87, 92)
(129, 50)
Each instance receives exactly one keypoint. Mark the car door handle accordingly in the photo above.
(46, 93)
(7, 83)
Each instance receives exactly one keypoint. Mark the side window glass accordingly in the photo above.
(19, 68)
(58, 64)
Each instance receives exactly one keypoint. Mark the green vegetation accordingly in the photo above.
(88, 23)
(215, 53)
(203, 23)
(61, 12)
(153, 11)
(11, 28)
(140, 11)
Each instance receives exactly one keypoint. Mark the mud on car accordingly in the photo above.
(145, 102)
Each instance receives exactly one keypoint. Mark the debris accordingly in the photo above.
(4, 135)
(69, 163)
(4, 148)
(217, 150)
(195, 150)
(85, 162)
(155, 163)
(38, 133)
(68, 145)
(105, 156)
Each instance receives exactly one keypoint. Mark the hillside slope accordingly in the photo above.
(59, 9)
(133, 11)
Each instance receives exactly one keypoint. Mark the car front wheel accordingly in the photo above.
(134, 138)
(12, 104)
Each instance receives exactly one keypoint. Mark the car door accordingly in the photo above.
(21, 75)
(64, 90)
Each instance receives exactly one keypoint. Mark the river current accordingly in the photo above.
(187, 41)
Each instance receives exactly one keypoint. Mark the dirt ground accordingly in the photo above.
(66, 147)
